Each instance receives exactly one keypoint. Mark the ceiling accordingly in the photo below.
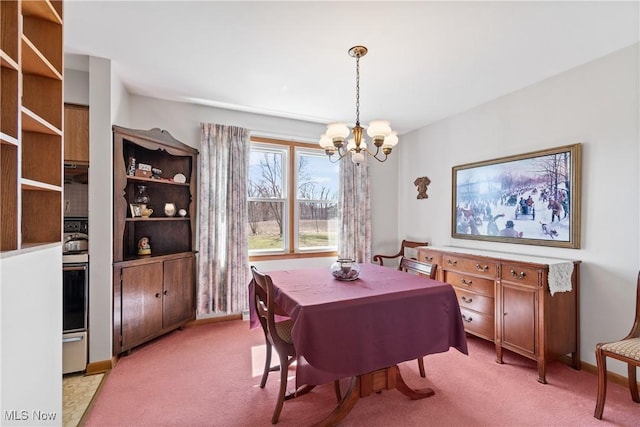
(426, 60)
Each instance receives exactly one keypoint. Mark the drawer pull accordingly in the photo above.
(452, 262)
(467, 300)
(466, 282)
(518, 275)
(467, 319)
(428, 258)
(482, 267)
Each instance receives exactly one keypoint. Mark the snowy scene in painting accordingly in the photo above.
(528, 198)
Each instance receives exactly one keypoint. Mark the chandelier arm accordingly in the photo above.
(375, 155)
(342, 152)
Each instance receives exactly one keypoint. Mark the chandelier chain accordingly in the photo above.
(357, 90)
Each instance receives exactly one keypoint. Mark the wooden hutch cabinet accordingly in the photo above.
(153, 293)
(506, 299)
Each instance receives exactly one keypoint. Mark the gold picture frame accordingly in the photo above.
(531, 198)
(136, 210)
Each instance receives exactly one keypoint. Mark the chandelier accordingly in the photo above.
(382, 137)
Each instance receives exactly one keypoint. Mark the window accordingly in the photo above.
(293, 199)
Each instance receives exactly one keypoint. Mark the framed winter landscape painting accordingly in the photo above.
(531, 198)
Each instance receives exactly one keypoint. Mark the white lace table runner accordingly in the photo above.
(560, 277)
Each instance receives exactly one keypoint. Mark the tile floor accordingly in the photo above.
(78, 391)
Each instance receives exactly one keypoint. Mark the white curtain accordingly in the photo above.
(223, 245)
(355, 206)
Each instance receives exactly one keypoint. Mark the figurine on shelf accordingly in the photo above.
(144, 247)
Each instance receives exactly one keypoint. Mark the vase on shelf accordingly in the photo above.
(169, 209)
(141, 197)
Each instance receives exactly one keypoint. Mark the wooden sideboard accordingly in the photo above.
(506, 298)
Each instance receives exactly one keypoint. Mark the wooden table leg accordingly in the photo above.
(372, 382)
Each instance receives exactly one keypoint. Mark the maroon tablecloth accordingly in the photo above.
(342, 329)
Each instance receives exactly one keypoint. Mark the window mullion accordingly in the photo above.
(293, 185)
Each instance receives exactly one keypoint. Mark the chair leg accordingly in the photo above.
(267, 366)
(633, 383)
(421, 367)
(284, 372)
(336, 386)
(601, 361)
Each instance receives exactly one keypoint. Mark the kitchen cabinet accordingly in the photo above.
(76, 134)
(31, 118)
(507, 299)
(154, 293)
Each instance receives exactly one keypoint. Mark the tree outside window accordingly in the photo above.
(293, 199)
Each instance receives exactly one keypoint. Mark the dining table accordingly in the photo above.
(362, 329)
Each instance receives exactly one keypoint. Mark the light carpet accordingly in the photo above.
(209, 375)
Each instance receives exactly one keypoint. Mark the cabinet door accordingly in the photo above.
(178, 291)
(76, 134)
(519, 317)
(141, 302)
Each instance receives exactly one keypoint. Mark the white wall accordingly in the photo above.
(31, 337)
(596, 104)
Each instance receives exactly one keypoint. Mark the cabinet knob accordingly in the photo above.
(466, 282)
(157, 294)
(482, 267)
(452, 262)
(467, 319)
(518, 275)
(467, 300)
(165, 292)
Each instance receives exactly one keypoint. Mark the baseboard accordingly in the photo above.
(592, 369)
(215, 319)
(101, 366)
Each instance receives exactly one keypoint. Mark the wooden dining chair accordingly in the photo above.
(277, 335)
(626, 350)
(429, 270)
(379, 258)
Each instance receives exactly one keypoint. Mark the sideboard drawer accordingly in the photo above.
(473, 266)
(476, 302)
(432, 257)
(478, 324)
(470, 283)
(516, 273)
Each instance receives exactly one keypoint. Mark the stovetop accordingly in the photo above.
(75, 227)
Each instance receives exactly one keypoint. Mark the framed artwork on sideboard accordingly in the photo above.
(531, 198)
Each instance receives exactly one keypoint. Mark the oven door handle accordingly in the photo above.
(74, 267)
(73, 339)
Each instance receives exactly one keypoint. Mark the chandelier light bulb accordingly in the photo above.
(337, 131)
(379, 128)
(391, 140)
(325, 141)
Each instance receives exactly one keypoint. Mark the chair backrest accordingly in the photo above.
(408, 264)
(266, 309)
(635, 329)
(406, 244)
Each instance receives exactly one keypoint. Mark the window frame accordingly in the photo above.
(292, 151)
